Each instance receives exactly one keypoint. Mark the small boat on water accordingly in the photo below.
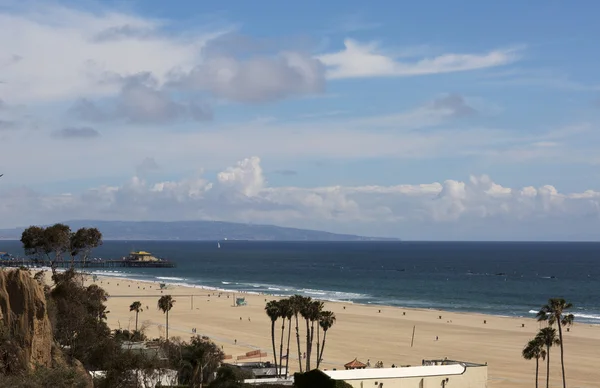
(218, 245)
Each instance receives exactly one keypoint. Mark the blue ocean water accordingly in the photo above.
(511, 279)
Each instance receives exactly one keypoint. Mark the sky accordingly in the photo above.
(430, 120)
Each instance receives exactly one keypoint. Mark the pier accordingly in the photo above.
(88, 263)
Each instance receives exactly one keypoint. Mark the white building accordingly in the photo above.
(432, 374)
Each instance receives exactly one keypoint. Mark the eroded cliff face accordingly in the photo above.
(23, 313)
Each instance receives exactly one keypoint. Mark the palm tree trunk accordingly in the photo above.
(548, 367)
(136, 319)
(323, 346)
(298, 340)
(537, 371)
(167, 325)
(273, 343)
(287, 357)
(318, 347)
(562, 355)
(281, 346)
(307, 345)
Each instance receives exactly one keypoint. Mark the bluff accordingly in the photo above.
(24, 315)
(26, 330)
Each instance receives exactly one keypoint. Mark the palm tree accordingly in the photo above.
(272, 310)
(307, 312)
(137, 307)
(297, 303)
(165, 303)
(547, 337)
(554, 312)
(535, 349)
(314, 312)
(318, 320)
(282, 307)
(288, 312)
(326, 320)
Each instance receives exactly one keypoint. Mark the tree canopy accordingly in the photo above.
(52, 243)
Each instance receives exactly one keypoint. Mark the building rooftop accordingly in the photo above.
(391, 373)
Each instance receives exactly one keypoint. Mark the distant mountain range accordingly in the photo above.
(199, 230)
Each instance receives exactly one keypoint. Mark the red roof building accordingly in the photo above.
(355, 364)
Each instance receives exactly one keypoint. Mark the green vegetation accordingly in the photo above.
(137, 307)
(316, 378)
(54, 242)
(535, 350)
(165, 304)
(316, 321)
(554, 313)
(60, 377)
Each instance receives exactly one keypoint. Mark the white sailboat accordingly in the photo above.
(218, 245)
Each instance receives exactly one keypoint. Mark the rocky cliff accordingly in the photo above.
(25, 329)
(24, 315)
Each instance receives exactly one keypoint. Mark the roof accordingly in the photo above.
(391, 373)
(355, 364)
(140, 253)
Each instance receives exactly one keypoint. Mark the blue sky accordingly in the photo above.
(423, 120)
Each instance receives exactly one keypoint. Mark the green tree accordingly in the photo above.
(199, 360)
(326, 321)
(547, 337)
(229, 376)
(83, 241)
(165, 304)
(272, 310)
(298, 303)
(137, 307)
(535, 350)
(53, 242)
(286, 313)
(555, 313)
(34, 243)
(78, 316)
(58, 240)
(315, 308)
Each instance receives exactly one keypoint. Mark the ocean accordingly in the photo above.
(499, 278)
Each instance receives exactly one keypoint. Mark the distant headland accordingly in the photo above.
(200, 231)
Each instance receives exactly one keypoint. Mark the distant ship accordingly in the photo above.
(218, 245)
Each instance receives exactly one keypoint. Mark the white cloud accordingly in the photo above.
(60, 57)
(84, 52)
(365, 60)
(246, 177)
(240, 193)
(257, 79)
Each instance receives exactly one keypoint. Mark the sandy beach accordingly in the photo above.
(375, 333)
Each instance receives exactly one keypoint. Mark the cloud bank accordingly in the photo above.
(241, 193)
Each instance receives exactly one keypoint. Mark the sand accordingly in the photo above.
(362, 331)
